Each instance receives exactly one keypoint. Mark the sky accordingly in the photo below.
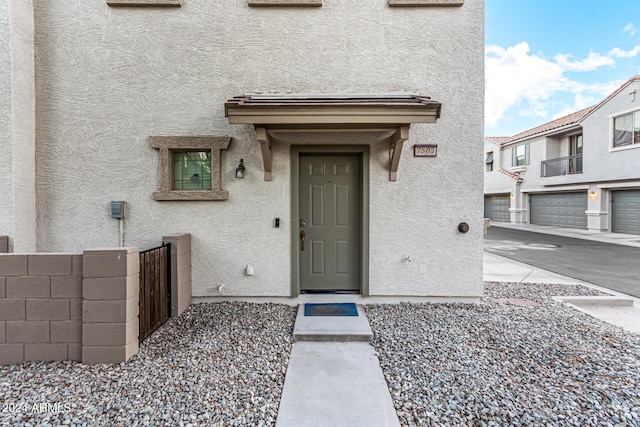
(545, 59)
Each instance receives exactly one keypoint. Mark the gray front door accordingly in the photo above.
(330, 217)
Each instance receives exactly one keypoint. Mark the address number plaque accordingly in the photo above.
(425, 150)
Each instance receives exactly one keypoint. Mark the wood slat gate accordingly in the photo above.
(155, 289)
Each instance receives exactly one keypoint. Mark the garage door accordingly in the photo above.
(496, 207)
(559, 209)
(625, 209)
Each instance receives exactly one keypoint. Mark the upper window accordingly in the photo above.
(575, 142)
(626, 130)
(489, 161)
(520, 155)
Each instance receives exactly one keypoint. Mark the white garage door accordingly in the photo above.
(625, 209)
(560, 209)
(496, 207)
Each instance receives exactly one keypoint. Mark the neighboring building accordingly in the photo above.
(103, 102)
(578, 171)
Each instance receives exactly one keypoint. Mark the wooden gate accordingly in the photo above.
(155, 289)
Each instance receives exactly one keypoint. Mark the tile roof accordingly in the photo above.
(511, 175)
(497, 140)
(571, 119)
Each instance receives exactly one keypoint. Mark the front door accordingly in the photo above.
(330, 222)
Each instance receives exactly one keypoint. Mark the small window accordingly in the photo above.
(520, 155)
(626, 130)
(489, 161)
(192, 170)
(190, 167)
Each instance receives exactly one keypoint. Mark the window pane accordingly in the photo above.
(576, 144)
(489, 157)
(520, 155)
(623, 130)
(192, 170)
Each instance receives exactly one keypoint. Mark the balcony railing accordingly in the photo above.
(562, 166)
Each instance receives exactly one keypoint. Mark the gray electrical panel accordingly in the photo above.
(117, 209)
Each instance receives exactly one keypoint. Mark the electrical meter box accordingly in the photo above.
(117, 209)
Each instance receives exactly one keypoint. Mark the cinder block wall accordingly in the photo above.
(110, 307)
(81, 307)
(40, 307)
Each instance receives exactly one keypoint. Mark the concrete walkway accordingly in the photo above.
(334, 377)
(335, 384)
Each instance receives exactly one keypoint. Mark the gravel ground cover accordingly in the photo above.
(502, 364)
(224, 364)
(217, 364)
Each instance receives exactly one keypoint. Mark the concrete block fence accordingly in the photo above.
(81, 307)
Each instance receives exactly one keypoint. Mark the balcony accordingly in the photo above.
(568, 165)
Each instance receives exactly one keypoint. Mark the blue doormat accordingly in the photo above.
(335, 309)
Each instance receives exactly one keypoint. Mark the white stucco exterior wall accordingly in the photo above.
(601, 161)
(6, 176)
(17, 104)
(494, 181)
(107, 78)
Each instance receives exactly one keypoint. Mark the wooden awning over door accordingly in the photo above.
(342, 113)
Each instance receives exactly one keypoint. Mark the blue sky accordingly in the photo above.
(548, 58)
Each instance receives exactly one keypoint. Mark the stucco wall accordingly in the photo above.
(18, 104)
(494, 181)
(6, 197)
(601, 162)
(110, 77)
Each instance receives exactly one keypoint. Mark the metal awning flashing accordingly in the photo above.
(391, 113)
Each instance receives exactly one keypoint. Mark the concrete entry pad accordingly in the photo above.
(332, 328)
(335, 384)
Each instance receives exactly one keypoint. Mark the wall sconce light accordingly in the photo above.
(240, 169)
(512, 196)
(593, 195)
(632, 95)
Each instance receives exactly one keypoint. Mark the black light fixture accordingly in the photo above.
(240, 169)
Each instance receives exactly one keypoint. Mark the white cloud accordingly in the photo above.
(513, 75)
(524, 84)
(590, 63)
(630, 28)
(619, 53)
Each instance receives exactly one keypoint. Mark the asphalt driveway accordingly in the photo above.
(615, 267)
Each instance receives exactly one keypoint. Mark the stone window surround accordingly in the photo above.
(166, 3)
(168, 144)
(285, 3)
(318, 3)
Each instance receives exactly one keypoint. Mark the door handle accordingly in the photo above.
(303, 234)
